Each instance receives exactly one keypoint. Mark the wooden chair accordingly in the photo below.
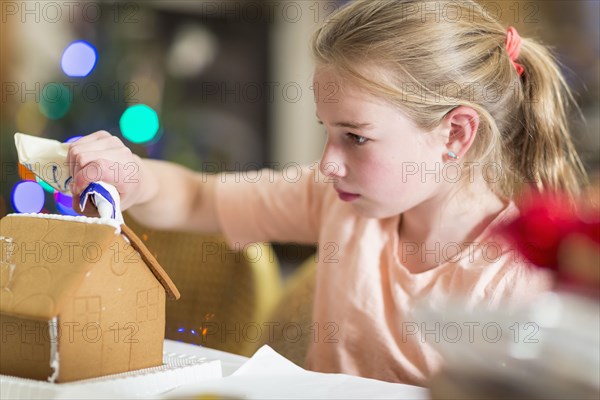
(225, 295)
(292, 316)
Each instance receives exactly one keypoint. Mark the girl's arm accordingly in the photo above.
(158, 194)
(176, 198)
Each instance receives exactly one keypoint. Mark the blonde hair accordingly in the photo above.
(434, 61)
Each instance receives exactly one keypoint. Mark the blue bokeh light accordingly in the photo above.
(66, 210)
(28, 197)
(64, 203)
(73, 139)
(79, 59)
(63, 199)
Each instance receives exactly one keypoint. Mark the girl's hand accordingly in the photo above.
(103, 157)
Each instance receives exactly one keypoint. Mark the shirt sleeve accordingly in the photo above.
(271, 206)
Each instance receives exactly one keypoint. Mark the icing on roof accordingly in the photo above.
(80, 218)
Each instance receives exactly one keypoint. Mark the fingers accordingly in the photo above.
(102, 142)
(92, 148)
(109, 171)
(103, 157)
(103, 165)
(81, 141)
(97, 170)
(98, 141)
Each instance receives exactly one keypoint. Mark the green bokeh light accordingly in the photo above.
(55, 101)
(139, 124)
(46, 187)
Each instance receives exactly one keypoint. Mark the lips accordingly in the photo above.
(346, 196)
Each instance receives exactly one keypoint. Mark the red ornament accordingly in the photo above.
(545, 222)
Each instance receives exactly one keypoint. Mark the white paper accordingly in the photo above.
(46, 158)
(177, 370)
(268, 375)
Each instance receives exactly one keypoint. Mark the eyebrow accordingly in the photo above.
(349, 124)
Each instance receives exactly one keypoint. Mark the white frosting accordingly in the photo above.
(11, 267)
(11, 272)
(54, 359)
(80, 218)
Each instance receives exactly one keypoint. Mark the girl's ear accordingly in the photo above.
(460, 126)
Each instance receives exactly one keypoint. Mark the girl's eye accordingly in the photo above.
(357, 139)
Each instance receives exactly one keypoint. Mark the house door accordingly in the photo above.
(116, 352)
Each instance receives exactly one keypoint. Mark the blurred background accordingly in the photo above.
(215, 86)
(211, 85)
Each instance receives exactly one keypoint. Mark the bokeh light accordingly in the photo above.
(63, 199)
(194, 48)
(139, 123)
(27, 197)
(56, 100)
(44, 185)
(73, 139)
(79, 59)
(66, 210)
(64, 203)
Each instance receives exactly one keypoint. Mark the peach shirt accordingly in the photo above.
(363, 292)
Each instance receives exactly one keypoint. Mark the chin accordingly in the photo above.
(375, 212)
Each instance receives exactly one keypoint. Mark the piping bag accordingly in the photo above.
(47, 159)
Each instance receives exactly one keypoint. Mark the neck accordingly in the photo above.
(442, 225)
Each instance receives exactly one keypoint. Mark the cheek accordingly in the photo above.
(417, 168)
(403, 182)
(383, 178)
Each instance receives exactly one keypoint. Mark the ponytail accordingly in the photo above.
(543, 151)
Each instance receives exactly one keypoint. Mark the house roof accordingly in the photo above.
(152, 263)
(44, 260)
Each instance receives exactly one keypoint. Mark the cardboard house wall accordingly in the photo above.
(79, 298)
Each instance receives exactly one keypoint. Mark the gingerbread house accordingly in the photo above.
(79, 298)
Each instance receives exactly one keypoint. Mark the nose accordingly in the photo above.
(332, 162)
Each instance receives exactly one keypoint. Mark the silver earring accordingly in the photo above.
(453, 155)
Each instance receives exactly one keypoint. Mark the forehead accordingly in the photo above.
(331, 87)
(335, 94)
(340, 102)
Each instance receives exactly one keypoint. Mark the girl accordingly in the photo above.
(434, 126)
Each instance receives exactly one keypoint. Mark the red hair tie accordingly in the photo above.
(513, 48)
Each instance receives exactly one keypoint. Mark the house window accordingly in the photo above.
(86, 310)
(147, 305)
